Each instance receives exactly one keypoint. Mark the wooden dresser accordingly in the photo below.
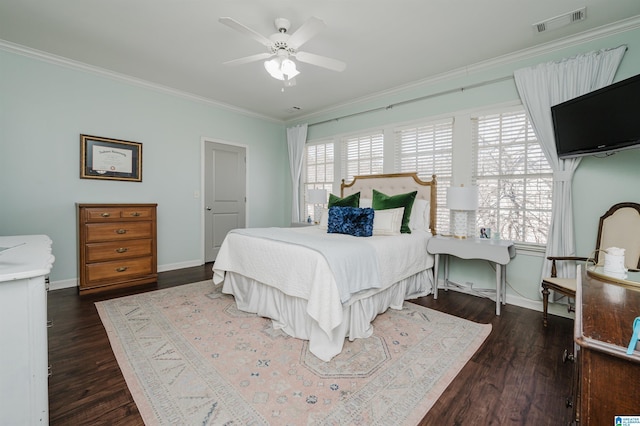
(117, 246)
(608, 380)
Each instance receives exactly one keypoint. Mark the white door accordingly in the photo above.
(225, 194)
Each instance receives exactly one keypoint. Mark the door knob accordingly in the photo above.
(208, 208)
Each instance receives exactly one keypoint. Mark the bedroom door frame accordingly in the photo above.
(205, 142)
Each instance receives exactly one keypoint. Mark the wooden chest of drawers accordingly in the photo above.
(607, 378)
(117, 246)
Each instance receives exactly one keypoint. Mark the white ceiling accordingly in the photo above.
(386, 44)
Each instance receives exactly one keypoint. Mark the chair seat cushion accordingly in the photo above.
(563, 285)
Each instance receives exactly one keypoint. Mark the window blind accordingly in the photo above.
(513, 177)
(319, 171)
(362, 155)
(428, 150)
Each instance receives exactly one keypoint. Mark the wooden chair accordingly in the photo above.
(618, 227)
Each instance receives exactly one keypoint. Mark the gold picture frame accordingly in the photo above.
(110, 159)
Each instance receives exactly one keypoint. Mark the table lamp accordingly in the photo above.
(461, 200)
(316, 197)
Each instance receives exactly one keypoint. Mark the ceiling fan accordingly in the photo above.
(284, 46)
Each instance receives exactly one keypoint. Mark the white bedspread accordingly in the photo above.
(305, 273)
(353, 261)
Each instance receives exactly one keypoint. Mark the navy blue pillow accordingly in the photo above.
(354, 221)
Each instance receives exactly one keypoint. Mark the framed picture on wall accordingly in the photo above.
(111, 159)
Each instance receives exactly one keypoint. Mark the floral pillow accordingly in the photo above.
(354, 221)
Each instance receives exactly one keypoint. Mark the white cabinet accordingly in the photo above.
(24, 367)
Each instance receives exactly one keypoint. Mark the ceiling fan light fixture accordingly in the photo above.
(285, 47)
(288, 68)
(281, 68)
(273, 67)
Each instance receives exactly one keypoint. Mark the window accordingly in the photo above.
(319, 171)
(513, 177)
(428, 149)
(362, 155)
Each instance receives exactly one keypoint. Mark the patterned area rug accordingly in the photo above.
(190, 357)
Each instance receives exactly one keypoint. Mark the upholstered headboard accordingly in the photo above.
(393, 184)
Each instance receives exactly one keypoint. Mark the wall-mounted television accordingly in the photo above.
(602, 121)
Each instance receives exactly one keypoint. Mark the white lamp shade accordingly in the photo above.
(462, 198)
(317, 196)
(281, 67)
(273, 68)
(288, 68)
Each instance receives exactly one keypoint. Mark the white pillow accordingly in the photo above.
(324, 219)
(365, 202)
(419, 219)
(387, 222)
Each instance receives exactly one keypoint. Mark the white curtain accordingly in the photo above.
(541, 87)
(296, 138)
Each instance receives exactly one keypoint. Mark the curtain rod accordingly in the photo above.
(421, 98)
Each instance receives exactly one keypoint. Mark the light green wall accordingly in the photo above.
(599, 182)
(45, 107)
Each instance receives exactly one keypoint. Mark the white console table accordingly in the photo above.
(499, 252)
(24, 266)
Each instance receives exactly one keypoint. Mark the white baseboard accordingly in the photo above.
(59, 285)
(516, 300)
(179, 265)
(73, 282)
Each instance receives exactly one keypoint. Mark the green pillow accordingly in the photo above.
(384, 202)
(352, 200)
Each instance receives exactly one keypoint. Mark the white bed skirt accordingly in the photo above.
(289, 314)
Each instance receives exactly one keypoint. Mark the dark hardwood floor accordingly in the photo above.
(516, 378)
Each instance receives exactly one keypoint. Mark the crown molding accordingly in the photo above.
(546, 48)
(524, 54)
(81, 66)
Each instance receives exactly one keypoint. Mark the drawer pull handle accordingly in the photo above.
(121, 269)
(135, 214)
(105, 214)
(121, 231)
(121, 250)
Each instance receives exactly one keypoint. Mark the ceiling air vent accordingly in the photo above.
(294, 109)
(561, 20)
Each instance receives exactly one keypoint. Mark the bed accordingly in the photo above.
(324, 286)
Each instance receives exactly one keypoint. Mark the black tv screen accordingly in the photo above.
(605, 120)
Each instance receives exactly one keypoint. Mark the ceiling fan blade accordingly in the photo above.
(321, 61)
(247, 59)
(232, 23)
(303, 34)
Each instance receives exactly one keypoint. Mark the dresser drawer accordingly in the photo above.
(104, 213)
(119, 269)
(98, 252)
(136, 213)
(99, 214)
(117, 246)
(97, 232)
